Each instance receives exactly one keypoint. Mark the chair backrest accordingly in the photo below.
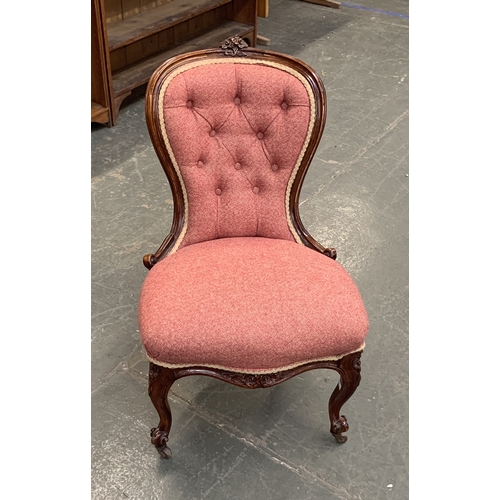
(235, 130)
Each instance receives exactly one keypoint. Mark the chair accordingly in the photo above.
(239, 290)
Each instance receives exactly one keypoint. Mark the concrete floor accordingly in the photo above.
(232, 443)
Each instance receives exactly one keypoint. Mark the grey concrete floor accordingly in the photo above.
(232, 443)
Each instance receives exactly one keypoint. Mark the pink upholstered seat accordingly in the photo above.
(250, 305)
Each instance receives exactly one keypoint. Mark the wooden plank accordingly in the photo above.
(195, 24)
(98, 91)
(140, 50)
(129, 78)
(147, 5)
(130, 8)
(243, 11)
(262, 8)
(113, 10)
(327, 3)
(181, 32)
(100, 114)
(118, 58)
(221, 16)
(208, 19)
(101, 80)
(133, 52)
(165, 38)
(150, 45)
(155, 20)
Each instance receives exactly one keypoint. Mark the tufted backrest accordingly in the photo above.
(232, 134)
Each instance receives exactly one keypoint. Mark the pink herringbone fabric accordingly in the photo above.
(236, 146)
(249, 304)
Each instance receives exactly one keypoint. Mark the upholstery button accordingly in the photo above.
(260, 135)
(274, 167)
(218, 192)
(237, 166)
(284, 105)
(212, 133)
(189, 104)
(200, 164)
(237, 101)
(256, 190)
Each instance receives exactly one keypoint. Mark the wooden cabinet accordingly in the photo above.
(101, 85)
(131, 38)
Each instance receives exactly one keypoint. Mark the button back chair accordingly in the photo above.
(239, 290)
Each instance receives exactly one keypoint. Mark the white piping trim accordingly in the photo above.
(256, 371)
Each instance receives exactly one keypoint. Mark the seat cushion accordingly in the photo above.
(250, 305)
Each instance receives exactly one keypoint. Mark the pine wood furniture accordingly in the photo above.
(131, 38)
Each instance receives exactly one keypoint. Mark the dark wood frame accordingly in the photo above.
(162, 378)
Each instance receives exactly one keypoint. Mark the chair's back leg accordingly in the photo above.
(349, 368)
(160, 381)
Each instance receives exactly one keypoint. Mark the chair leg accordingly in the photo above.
(160, 381)
(349, 369)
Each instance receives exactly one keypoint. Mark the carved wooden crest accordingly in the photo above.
(233, 46)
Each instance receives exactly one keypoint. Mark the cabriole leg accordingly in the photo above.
(160, 381)
(349, 369)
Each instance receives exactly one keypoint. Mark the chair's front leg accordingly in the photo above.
(349, 369)
(160, 381)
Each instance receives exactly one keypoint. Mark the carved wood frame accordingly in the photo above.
(162, 378)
